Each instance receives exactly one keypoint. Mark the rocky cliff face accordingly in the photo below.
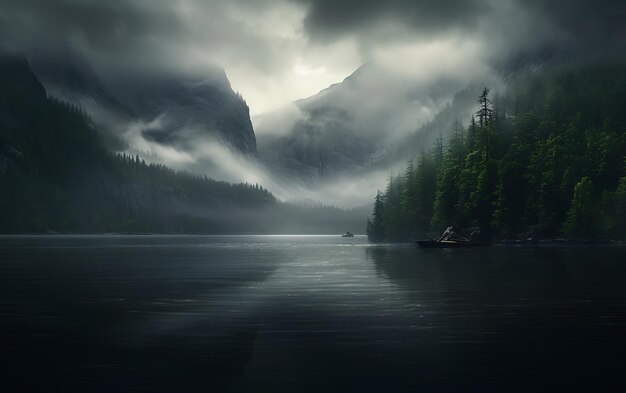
(55, 174)
(188, 109)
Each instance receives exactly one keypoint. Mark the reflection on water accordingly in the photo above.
(306, 313)
(531, 318)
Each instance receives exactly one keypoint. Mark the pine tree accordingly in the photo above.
(376, 230)
(485, 111)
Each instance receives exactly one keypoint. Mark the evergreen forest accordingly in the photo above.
(545, 160)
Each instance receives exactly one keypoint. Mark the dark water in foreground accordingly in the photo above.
(306, 313)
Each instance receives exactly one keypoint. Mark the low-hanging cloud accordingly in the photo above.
(585, 24)
(330, 19)
(269, 47)
(277, 51)
(203, 155)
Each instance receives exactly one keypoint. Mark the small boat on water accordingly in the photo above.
(451, 243)
(348, 234)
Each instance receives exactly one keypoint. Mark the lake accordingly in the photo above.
(307, 313)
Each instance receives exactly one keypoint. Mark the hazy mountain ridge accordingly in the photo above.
(376, 119)
(372, 120)
(58, 176)
(202, 107)
(190, 108)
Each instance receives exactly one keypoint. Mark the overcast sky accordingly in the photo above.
(276, 51)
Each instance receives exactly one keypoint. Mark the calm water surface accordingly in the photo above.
(306, 313)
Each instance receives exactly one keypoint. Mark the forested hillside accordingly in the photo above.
(55, 175)
(548, 159)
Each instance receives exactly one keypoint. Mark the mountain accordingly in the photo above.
(180, 109)
(57, 175)
(357, 125)
(189, 108)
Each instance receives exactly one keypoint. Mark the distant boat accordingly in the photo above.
(348, 234)
(451, 244)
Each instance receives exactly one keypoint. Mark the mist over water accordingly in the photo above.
(306, 313)
(288, 116)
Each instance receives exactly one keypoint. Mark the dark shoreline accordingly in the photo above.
(498, 243)
(44, 234)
